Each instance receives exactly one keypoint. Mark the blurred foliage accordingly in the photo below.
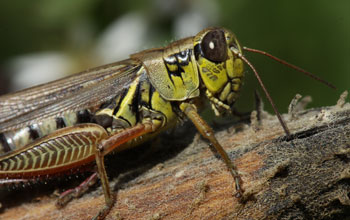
(312, 34)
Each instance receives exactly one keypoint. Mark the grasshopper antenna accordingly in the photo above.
(290, 65)
(285, 128)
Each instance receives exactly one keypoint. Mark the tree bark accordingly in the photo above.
(307, 177)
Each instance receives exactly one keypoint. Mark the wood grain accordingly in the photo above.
(181, 178)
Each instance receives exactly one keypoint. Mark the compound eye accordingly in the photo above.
(214, 46)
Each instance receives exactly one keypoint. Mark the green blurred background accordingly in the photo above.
(48, 37)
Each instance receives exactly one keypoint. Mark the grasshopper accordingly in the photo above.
(69, 123)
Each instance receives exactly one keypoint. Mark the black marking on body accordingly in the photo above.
(84, 116)
(169, 73)
(4, 143)
(198, 51)
(143, 91)
(60, 123)
(33, 131)
(121, 98)
(135, 102)
(183, 58)
(151, 91)
(178, 74)
(170, 59)
(124, 119)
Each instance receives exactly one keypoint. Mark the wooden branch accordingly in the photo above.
(306, 178)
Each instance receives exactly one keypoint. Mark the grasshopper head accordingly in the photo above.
(217, 52)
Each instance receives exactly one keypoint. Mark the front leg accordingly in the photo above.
(190, 111)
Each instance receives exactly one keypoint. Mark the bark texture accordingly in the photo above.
(181, 178)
